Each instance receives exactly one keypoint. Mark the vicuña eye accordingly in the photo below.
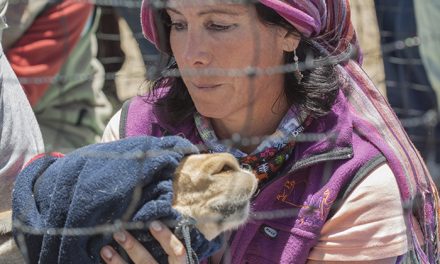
(246, 166)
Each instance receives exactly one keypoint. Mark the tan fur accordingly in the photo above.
(215, 191)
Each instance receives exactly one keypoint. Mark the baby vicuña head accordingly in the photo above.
(215, 191)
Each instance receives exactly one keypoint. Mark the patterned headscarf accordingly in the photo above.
(327, 24)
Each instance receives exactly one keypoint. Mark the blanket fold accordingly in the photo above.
(96, 185)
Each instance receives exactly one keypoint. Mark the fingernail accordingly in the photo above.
(120, 236)
(156, 226)
(107, 253)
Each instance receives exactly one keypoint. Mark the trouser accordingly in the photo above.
(409, 89)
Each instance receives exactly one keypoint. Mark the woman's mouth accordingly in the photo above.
(206, 86)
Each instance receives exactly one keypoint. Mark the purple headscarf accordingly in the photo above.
(328, 25)
(315, 19)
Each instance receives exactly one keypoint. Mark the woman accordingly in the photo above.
(346, 187)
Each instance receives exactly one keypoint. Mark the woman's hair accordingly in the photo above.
(315, 93)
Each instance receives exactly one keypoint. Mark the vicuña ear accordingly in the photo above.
(192, 168)
(201, 166)
(220, 162)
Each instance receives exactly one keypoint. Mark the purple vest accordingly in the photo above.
(319, 174)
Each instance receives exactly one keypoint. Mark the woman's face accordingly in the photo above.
(227, 36)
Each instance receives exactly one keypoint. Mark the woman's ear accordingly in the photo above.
(291, 41)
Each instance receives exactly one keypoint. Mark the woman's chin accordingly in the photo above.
(211, 112)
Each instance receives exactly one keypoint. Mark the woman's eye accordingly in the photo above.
(218, 27)
(178, 26)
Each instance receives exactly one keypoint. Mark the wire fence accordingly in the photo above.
(422, 123)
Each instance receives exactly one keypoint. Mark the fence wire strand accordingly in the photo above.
(428, 119)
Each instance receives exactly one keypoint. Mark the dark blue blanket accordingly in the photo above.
(95, 185)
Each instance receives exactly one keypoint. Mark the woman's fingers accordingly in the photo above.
(169, 242)
(138, 254)
(110, 256)
(135, 250)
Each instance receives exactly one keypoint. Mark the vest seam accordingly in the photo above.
(362, 173)
(341, 153)
(358, 177)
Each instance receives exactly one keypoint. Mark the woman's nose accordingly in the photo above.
(197, 52)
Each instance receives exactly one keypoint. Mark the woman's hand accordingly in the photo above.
(136, 251)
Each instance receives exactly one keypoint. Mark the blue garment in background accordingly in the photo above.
(409, 90)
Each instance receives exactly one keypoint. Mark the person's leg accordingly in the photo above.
(409, 90)
(130, 80)
(154, 61)
(427, 12)
(363, 16)
(20, 140)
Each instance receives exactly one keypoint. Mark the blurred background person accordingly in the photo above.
(427, 12)
(20, 140)
(52, 48)
(363, 17)
(412, 71)
(128, 59)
